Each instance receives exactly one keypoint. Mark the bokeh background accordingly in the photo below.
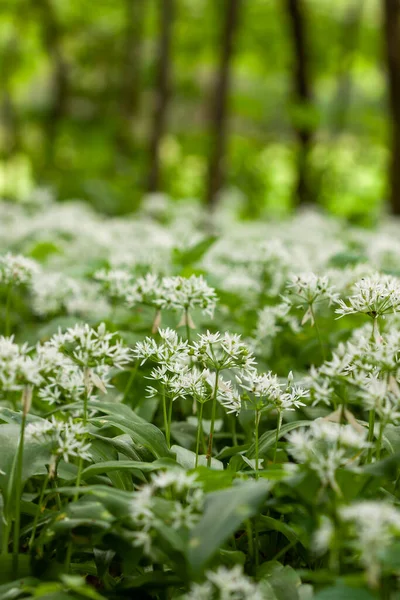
(277, 102)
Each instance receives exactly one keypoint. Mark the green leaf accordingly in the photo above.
(127, 465)
(267, 440)
(6, 567)
(187, 459)
(224, 512)
(343, 592)
(141, 432)
(283, 579)
(194, 253)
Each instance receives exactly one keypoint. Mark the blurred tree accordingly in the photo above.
(392, 36)
(131, 71)
(162, 92)
(52, 37)
(219, 108)
(302, 97)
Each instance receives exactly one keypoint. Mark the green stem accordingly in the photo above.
(212, 424)
(199, 432)
(371, 433)
(169, 422)
(256, 424)
(249, 530)
(18, 493)
(8, 306)
(187, 325)
(379, 440)
(130, 382)
(278, 430)
(234, 433)
(78, 480)
(165, 415)
(317, 330)
(39, 510)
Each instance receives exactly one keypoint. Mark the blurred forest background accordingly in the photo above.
(277, 101)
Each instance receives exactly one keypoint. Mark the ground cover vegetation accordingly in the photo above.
(195, 409)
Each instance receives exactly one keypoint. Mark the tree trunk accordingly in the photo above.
(392, 38)
(52, 35)
(350, 37)
(219, 110)
(163, 92)
(302, 96)
(131, 71)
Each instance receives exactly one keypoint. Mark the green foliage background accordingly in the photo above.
(96, 152)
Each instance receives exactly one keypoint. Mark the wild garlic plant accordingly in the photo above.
(255, 456)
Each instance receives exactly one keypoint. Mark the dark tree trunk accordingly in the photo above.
(392, 38)
(163, 92)
(219, 109)
(131, 71)
(302, 96)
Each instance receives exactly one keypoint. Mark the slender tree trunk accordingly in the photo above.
(163, 92)
(350, 36)
(131, 71)
(52, 35)
(8, 112)
(392, 37)
(302, 96)
(341, 99)
(219, 109)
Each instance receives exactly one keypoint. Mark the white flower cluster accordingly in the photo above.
(90, 347)
(281, 396)
(309, 289)
(183, 512)
(373, 296)
(325, 446)
(374, 525)
(178, 369)
(17, 270)
(222, 351)
(68, 439)
(165, 293)
(227, 584)
(53, 293)
(272, 320)
(17, 367)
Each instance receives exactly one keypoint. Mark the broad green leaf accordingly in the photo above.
(271, 524)
(128, 465)
(6, 567)
(187, 459)
(193, 254)
(141, 432)
(224, 512)
(343, 592)
(267, 440)
(283, 579)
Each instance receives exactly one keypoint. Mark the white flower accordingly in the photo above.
(17, 367)
(227, 351)
(374, 296)
(68, 438)
(17, 269)
(325, 446)
(266, 386)
(179, 480)
(90, 347)
(310, 288)
(226, 584)
(52, 292)
(375, 524)
(118, 284)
